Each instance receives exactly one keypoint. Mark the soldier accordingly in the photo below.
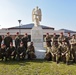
(65, 52)
(54, 39)
(48, 46)
(73, 48)
(25, 40)
(68, 38)
(2, 51)
(55, 51)
(61, 38)
(11, 51)
(31, 51)
(68, 42)
(7, 40)
(0, 40)
(48, 41)
(21, 51)
(48, 55)
(17, 40)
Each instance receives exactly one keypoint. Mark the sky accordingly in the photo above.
(55, 13)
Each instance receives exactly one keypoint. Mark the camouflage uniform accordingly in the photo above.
(55, 51)
(17, 41)
(7, 41)
(21, 52)
(0, 40)
(73, 49)
(48, 42)
(11, 51)
(31, 51)
(54, 39)
(2, 52)
(25, 41)
(48, 47)
(65, 52)
(60, 39)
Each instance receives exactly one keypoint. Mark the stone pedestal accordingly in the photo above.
(37, 39)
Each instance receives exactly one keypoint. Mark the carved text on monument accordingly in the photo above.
(37, 40)
(37, 34)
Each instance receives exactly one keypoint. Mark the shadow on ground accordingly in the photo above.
(23, 62)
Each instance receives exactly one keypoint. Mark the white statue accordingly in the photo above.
(36, 16)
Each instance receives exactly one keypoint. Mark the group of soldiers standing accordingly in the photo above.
(62, 48)
(8, 51)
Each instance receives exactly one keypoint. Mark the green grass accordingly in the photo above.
(36, 67)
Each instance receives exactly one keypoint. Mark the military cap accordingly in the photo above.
(32, 42)
(21, 42)
(25, 33)
(54, 33)
(47, 33)
(2, 44)
(7, 32)
(68, 32)
(17, 33)
(63, 40)
(73, 35)
(11, 43)
(61, 33)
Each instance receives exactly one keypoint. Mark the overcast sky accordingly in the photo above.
(55, 13)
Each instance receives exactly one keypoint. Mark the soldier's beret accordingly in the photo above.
(21, 42)
(11, 43)
(47, 33)
(7, 32)
(17, 33)
(2, 44)
(68, 32)
(61, 33)
(64, 41)
(25, 33)
(31, 42)
(54, 33)
(73, 35)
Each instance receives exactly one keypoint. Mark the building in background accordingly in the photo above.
(27, 29)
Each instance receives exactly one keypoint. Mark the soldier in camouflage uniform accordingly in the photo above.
(61, 38)
(68, 38)
(11, 52)
(55, 51)
(17, 40)
(21, 52)
(31, 51)
(25, 40)
(0, 40)
(48, 47)
(48, 41)
(73, 48)
(7, 40)
(54, 39)
(2, 51)
(65, 52)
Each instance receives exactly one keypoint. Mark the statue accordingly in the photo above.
(36, 16)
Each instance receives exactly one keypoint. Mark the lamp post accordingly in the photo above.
(19, 26)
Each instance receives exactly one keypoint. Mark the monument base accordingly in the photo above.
(37, 39)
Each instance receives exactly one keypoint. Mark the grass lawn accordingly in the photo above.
(36, 67)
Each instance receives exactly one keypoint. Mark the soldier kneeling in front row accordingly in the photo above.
(21, 52)
(65, 52)
(2, 52)
(55, 51)
(48, 55)
(11, 52)
(31, 51)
